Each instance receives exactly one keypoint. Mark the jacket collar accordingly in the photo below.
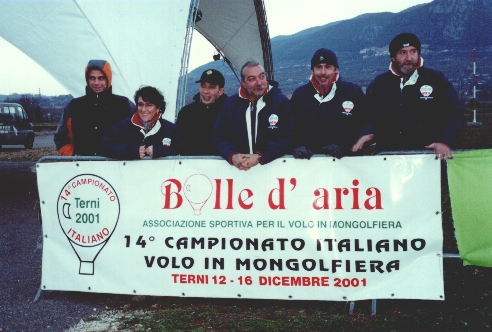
(396, 72)
(324, 90)
(243, 93)
(196, 99)
(104, 94)
(137, 122)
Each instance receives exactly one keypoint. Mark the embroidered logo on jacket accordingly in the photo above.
(348, 106)
(166, 141)
(273, 120)
(426, 90)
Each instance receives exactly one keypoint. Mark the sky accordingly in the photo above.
(19, 74)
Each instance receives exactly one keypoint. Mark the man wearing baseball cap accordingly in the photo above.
(412, 107)
(327, 110)
(196, 120)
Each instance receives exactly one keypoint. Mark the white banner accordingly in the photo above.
(321, 229)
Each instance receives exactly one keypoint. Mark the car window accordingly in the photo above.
(19, 115)
(4, 113)
(12, 112)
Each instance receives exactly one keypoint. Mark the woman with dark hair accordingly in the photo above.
(146, 133)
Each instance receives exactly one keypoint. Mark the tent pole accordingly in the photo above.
(265, 37)
(183, 74)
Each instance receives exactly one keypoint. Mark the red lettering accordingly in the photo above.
(242, 202)
(263, 281)
(217, 193)
(355, 195)
(324, 197)
(229, 194)
(338, 194)
(377, 198)
(168, 193)
(281, 196)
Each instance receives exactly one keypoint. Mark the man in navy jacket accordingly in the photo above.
(412, 107)
(254, 126)
(196, 120)
(328, 111)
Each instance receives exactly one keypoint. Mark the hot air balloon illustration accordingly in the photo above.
(197, 190)
(88, 211)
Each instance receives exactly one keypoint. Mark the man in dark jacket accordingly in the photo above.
(197, 120)
(412, 107)
(87, 118)
(254, 126)
(328, 111)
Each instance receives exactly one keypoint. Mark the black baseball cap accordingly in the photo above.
(212, 76)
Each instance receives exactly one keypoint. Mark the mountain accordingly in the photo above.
(449, 30)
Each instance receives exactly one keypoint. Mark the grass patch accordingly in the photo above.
(23, 155)
(463, 311)
(178, 319)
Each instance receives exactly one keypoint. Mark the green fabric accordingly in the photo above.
(470, 188)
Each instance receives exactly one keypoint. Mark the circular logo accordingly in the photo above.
(273, 119)
(348, 106)
(88, 210)
(426, 90)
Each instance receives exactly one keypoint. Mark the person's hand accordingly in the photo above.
(252, 160)
(150, 151)
(443, 151)
(141, 151)
(238, 161)
(333, 150)
(361, 141)
(302, 153)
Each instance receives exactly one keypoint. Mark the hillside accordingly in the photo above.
(448, 29)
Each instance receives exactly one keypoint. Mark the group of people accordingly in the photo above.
(409, 107)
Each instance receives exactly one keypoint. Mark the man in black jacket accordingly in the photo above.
(85, 120)
(328, 111)
(196, 120)
(412, 107)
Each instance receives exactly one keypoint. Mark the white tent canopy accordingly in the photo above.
(232, 27)
(144, 41)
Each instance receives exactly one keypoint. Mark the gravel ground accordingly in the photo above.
(20, 263)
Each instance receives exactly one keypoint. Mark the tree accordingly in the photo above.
(29, 102)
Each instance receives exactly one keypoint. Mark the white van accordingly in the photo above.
(15, 127)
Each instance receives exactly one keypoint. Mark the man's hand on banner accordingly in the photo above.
(302, 153)
(443, 151)
(333, 150)
(361, 141)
